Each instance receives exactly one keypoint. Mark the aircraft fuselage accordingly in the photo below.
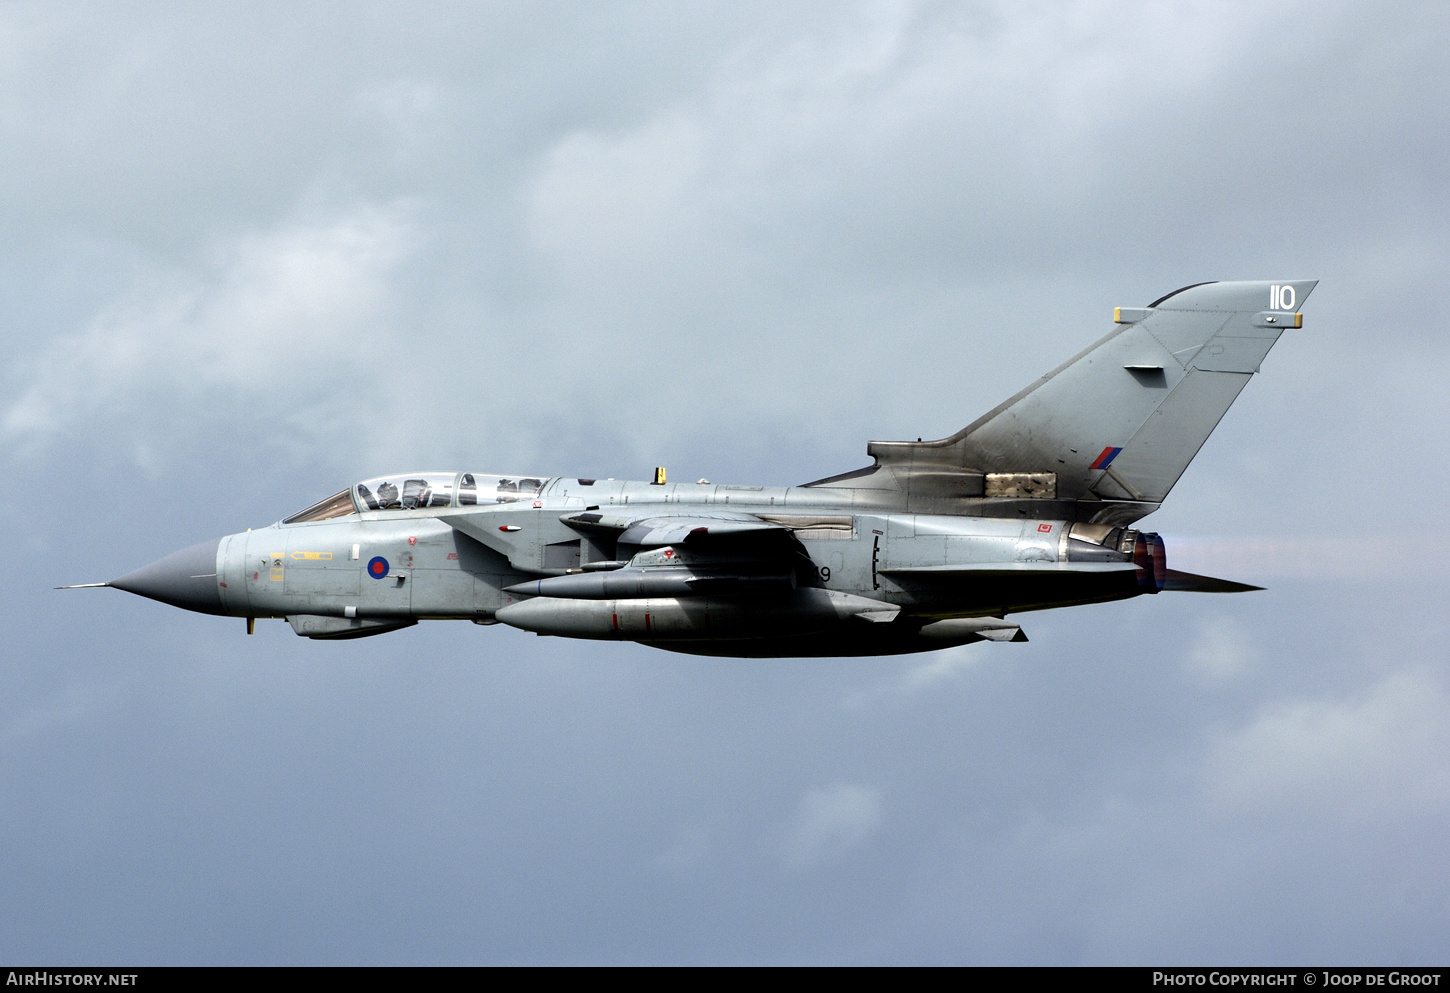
(933, 545)
(369, 571)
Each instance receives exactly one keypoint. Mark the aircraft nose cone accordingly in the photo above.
(185, 579)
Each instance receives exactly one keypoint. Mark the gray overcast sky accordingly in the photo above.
(250, 253)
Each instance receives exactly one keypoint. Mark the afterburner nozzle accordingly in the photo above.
(1151, 557)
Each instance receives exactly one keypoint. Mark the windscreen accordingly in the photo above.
(337, 505)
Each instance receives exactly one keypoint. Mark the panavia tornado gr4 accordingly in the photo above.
(935, 544)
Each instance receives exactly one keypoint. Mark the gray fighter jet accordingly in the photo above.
(932, 545)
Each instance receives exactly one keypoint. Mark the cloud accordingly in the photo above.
(938, 667)
(742, 238)
(283, 316)
(1222, 649)
(831, 822)
(896, 120)
(401, 102)
(612, 199)
(691, 848)
(925, 673)
(72, 704)
(1382, 752)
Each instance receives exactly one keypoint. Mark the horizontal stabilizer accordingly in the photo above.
(1187, 582)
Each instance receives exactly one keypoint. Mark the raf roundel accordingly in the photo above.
(378, 567)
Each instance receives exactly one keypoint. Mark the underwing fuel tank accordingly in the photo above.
(684, 619)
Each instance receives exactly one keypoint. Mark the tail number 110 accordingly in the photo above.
(1281, 297)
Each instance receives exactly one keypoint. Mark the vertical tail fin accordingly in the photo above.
(1121, 420)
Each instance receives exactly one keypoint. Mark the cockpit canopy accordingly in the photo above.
(408, 491)
(422, 490)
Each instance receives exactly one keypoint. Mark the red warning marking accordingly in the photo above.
(647, 625)
(669, 553)
(452, 556)
(413, 540)
(1044, 527)
(616, 622)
